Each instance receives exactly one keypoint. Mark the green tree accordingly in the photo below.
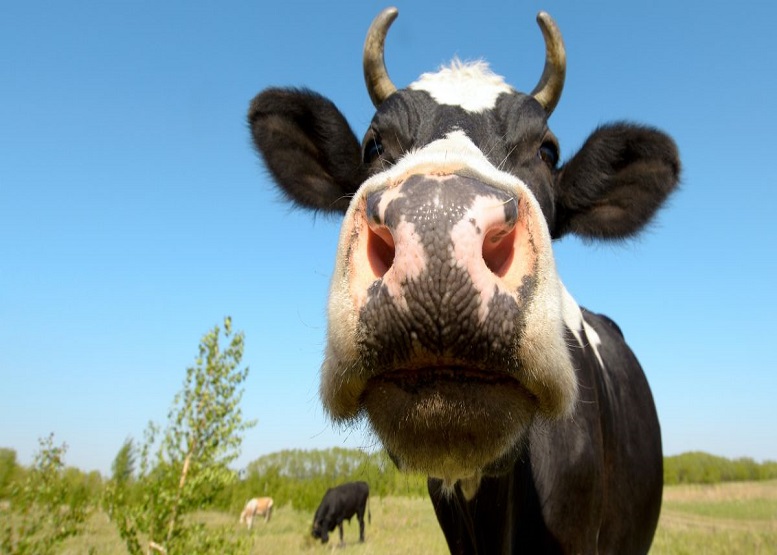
(123, 465)
(118, 490)
(183, 466)
(45, 509)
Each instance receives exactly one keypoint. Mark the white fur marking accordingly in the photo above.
(573, 318)
(473, 86)
(454, 154)
(593, 340)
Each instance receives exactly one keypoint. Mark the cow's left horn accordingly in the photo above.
(548, 90)
(376, 77)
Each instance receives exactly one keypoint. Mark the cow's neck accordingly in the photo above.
(514, 512)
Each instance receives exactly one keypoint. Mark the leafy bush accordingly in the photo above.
(46, 507)
(8, 470)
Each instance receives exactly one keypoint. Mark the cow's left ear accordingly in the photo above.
(617, 181)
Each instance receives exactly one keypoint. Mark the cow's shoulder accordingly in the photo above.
(608, 340)
(600, 321)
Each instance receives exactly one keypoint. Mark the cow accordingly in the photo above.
(449, 327)
(341, 503)
(261, 506)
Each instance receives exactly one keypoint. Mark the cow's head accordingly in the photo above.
(320, 532)
(447, 320)
(321, 528)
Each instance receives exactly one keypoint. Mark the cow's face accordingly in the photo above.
(446, 313)
(447, 320)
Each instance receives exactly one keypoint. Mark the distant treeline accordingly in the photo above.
(79, 486)
(301, 477)
(697, 467)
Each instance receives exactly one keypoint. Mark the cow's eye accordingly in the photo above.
(372, 150)
(548, 153)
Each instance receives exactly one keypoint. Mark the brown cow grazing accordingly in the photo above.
(261, 506)
(449, 327)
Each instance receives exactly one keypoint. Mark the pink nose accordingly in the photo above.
(445, 221)
(440, 269)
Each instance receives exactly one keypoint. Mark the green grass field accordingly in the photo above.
(706, 520)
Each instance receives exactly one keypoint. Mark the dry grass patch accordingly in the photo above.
(398, 525)
(739, 517)
(743, 491)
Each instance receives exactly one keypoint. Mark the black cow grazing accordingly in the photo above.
(341, 503)
(449, 327)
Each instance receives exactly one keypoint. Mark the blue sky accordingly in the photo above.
(134, 214)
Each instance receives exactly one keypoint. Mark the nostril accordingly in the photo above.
(499, 250)
(380, 250)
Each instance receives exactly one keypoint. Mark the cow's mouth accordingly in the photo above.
(450, 422)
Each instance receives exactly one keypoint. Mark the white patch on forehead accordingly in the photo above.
(473, 86)
(453, 154)
(573, 319)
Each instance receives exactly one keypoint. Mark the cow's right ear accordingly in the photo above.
(617, 181)
(308, 146)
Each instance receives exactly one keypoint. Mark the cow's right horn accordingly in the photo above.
(379, 85)
(548, 90)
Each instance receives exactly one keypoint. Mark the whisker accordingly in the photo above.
(348, 196)
(497, 141)
(504, 160)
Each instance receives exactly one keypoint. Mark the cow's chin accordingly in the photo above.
(448, 423)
